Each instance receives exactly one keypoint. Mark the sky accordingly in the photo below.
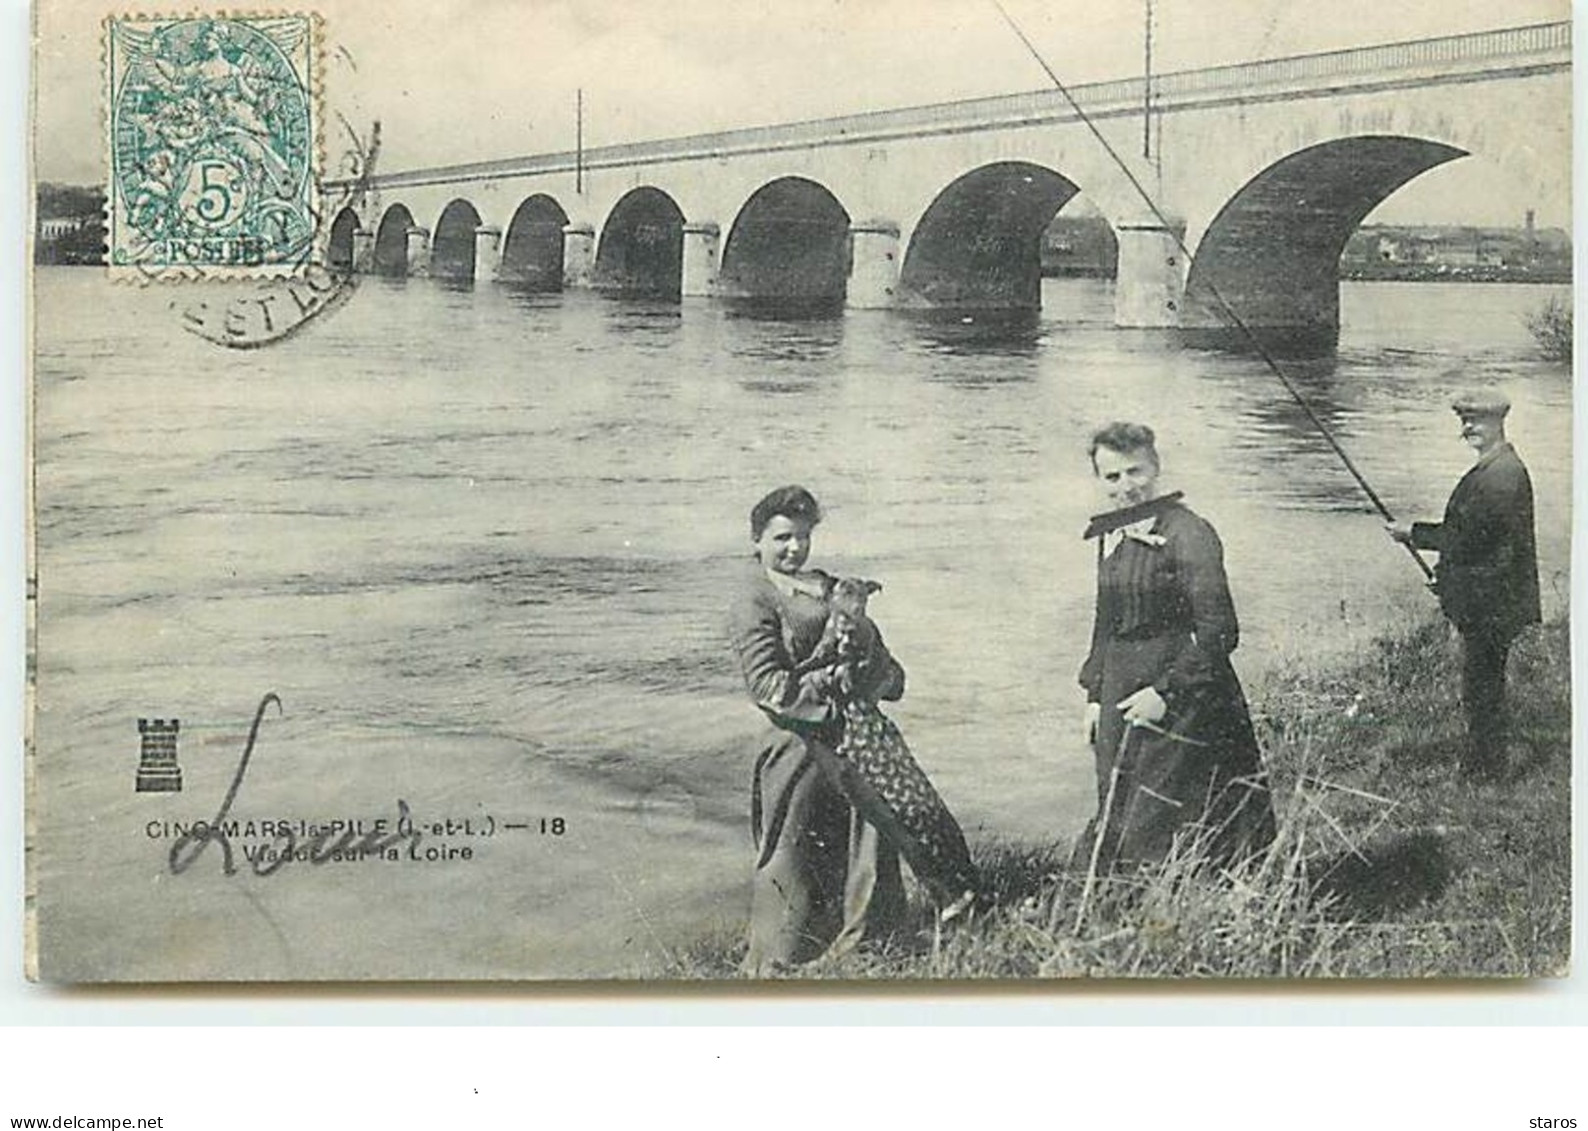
(496, 78)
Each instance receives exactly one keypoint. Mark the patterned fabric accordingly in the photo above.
(877, 771)
(896, 793)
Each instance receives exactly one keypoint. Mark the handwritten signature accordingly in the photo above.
(321, 848)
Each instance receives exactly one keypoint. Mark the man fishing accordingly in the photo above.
(1487, 576)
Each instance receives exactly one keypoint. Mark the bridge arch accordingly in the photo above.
(452, 246)
(339, 244)
(978, 244)
(641, 251)
(1273, 251)
(391, 241)
(532, 246)
(790, 240)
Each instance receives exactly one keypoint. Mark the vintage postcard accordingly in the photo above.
(955, 490)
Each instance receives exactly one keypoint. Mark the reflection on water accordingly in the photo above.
(806, 343)
(763, 309)
(1292, 343)
(498, 528)
(1001, 333)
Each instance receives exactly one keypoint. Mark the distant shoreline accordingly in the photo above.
(1404, 274)
(1460, 275)
(1429, 274)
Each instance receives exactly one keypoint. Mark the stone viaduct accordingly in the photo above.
(1262, 170)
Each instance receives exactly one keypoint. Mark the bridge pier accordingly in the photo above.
(487, 252)
(874, 266)
(363, 261)
(417, 250)
(1150, 288)
(578, 255)
(701, 262)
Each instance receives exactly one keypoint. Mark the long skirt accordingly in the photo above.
(1197, 775)
(825, 878)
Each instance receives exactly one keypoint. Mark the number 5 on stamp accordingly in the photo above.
(213, 144)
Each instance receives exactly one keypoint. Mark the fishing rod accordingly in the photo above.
(1225, 309)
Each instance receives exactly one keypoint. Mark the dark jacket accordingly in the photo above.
(773, 633)
(1178, 593)
(1487, 577)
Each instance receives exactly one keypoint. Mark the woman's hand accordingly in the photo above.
(1145, 706)
(827, 682)
(1089, 720)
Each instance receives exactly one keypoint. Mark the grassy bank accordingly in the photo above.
(1388, 864)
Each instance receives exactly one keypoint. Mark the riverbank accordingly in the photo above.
(1388, 864)
(1554, 275)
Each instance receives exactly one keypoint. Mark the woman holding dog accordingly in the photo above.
(827, 842)
(1165, 714)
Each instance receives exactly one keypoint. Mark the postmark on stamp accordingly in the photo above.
(213, 144)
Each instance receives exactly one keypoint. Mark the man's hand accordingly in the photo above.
(1400, 531)
(1089, 720)
(1145, 706)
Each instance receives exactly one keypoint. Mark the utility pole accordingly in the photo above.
(1146, 84)
(578, 141)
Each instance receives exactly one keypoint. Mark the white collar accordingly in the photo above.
(804, 584)
(1142, 530)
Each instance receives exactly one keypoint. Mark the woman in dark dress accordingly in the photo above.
(825, 877)
(1165, 713)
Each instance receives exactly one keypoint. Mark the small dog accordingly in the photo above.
(850, 635)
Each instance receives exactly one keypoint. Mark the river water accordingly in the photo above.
(480, 544)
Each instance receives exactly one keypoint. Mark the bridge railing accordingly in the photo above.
(1382, 61)
(1476, 47)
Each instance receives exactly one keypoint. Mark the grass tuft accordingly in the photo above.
(1387, 865)
(1551, 327)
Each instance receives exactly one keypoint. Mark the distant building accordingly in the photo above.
(71, 225)
(57, 228)
(1081, 246)
(1458, 252)
(1085, 246)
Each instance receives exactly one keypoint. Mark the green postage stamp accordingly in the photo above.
(213, 144)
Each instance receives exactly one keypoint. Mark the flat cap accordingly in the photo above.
(1481, 402)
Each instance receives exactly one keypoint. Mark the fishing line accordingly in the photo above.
(1225, 310)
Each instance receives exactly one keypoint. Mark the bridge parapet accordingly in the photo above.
(1459, 58)
(1445, 59)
